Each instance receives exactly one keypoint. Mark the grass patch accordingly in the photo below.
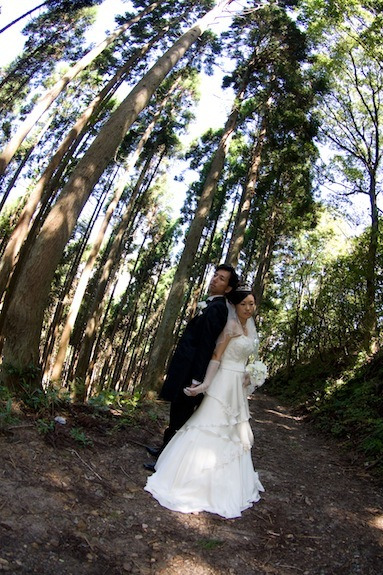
(210, 544)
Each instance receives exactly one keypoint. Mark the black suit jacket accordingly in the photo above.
(195, 348)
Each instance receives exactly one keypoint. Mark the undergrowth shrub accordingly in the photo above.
(344, 400)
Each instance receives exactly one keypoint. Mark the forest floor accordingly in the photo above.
(66, 509)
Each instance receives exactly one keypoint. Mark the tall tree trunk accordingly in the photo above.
(19, 169)
(132, 375)
(50, 96)
(370, 320)
(85, 276)
(92, 376)
(164, 337)
(108, 367)
(153, 319)
(120, 357)
(264, 261)
(22, 16)
(25, 313)
(107, 274)
(65, 299)
(244, 206)
(75, 134)
(294, 335)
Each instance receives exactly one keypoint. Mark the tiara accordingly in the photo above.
(244, 287)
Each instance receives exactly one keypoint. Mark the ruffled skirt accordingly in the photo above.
(207, 466)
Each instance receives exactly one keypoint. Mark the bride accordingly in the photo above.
(207, 466)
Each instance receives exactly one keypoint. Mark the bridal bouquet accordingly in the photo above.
(256, 374)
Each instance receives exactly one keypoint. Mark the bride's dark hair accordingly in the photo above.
(235, 296)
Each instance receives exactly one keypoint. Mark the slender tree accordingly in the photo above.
(163, 340)
(25, 313)
(46, 99)
(243, 210)
(353, 124)
(57, 5)
(74, 255)
(71, 140)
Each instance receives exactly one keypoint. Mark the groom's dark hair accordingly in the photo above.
(234, 279)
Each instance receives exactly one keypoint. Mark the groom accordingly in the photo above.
(193, 353)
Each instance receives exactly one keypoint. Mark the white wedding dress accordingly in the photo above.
(207, 466)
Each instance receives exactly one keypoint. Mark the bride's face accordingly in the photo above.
(245, 308)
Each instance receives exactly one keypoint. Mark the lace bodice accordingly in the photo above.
(239, 349)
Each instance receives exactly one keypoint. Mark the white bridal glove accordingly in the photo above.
(212, 369)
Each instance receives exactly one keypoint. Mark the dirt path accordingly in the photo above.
(70, 510)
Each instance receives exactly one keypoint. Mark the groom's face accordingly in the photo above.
(219, 283)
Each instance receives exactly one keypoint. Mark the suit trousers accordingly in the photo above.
(181, 409)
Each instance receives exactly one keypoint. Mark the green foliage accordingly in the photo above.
(26, 386)
(7, 416)
(111, 398)
(45, 426)
(25, 382)
(44, 400)
(344, 399)
(315, 299)
(315, 284)
(78, 387)
(34, 398)
(128, 405)
(210, 544)
(9, 215)
(80, 437)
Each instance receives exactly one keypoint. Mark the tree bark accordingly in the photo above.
(244, 206)
(25, 313)
(164, 336)
(370, 319)
(65, 297)
(108, 271)
(22, 16)
(264, 261)
(85, 276)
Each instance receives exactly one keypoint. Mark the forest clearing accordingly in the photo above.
(74, 510)
(117, 203)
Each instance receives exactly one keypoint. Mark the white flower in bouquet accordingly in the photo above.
(257, 373)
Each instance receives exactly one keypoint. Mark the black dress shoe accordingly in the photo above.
(150, 466)
(153, 451)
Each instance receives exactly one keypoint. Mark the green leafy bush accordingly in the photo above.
(345, 401)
